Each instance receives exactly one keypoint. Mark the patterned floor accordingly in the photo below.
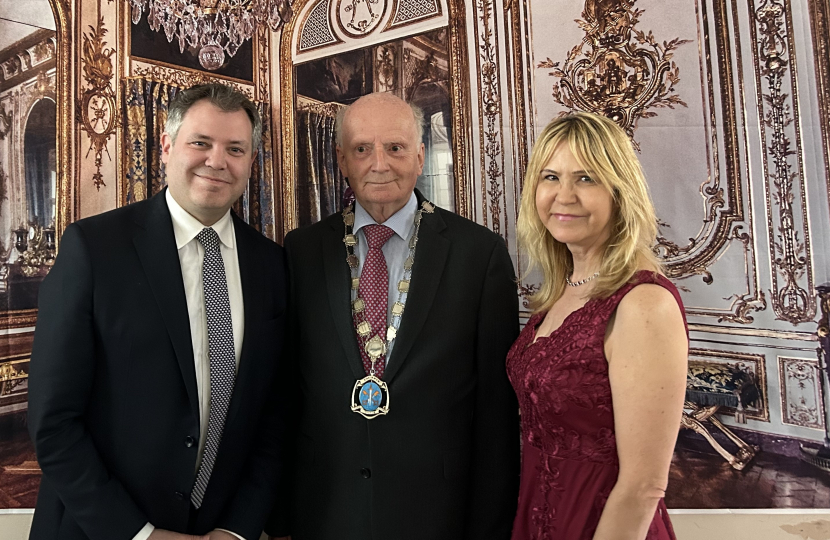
(700, 478)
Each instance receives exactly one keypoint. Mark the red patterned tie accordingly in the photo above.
(374, 290)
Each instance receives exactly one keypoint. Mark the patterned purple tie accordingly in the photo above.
(374, 290)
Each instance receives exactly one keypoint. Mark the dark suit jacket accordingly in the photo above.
(444, 463)
(113, 406)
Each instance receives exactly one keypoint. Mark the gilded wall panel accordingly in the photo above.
(774, 56)
(666, 72)
(802, 401)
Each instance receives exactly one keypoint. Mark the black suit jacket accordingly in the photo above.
(444, 463)
(113, 406)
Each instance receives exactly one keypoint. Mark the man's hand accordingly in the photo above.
(161, 534)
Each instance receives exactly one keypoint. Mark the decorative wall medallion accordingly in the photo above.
(794, 301)
(358, 18)
(617, 69)
(96, 107)
(315, 30)
(407, 12)
(801, 397)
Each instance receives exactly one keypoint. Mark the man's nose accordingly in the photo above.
(380, 163)
(216, 158)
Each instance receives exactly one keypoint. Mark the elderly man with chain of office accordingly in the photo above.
(407, 426)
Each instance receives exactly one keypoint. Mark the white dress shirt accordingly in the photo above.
(395, 250)
(191, 256)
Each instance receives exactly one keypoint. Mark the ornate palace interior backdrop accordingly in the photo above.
(728, 104)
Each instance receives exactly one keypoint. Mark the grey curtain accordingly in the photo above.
(320, 186)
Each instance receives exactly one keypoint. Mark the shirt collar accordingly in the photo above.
(401, 221)
(186, 227)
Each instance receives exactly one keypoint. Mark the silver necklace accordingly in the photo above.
(581, 281)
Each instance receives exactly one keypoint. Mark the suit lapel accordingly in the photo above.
(155, 244)
(252, 290)
(430, 258)
(338, 286)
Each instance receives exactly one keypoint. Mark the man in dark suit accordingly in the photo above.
(153, 402)
(401, 318)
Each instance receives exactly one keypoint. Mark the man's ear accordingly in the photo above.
(341, 161)
(421, 154)
(166, 145)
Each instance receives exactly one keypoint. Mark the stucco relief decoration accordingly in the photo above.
(358, 18)
(491, 127)
(96, 107)
(617, 69)
(801, 403)
(791, 255)
(316, 31)
(410, 11)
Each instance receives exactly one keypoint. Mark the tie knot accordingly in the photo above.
(377, 235)
(209, 239)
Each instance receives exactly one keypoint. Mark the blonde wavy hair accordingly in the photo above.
(603, 148)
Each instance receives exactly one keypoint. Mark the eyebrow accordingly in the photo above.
(586, 173)
(202, 137)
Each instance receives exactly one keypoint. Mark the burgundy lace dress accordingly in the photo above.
(569, 453)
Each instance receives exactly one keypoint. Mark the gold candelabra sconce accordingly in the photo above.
(36, 248)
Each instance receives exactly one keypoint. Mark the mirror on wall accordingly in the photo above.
(415, 69)
(28, 157)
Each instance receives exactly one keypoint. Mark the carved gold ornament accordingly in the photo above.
(790, 252)
(97, 107)
(617, 69)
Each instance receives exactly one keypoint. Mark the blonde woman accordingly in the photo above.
(600, 368)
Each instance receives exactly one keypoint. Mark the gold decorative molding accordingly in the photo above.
(491, 133)
(820, 30)
(329, 110)
(184, 77)
(765, 333)
(64, 211)
(97, 109)
(802, 401)
(774, 59)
